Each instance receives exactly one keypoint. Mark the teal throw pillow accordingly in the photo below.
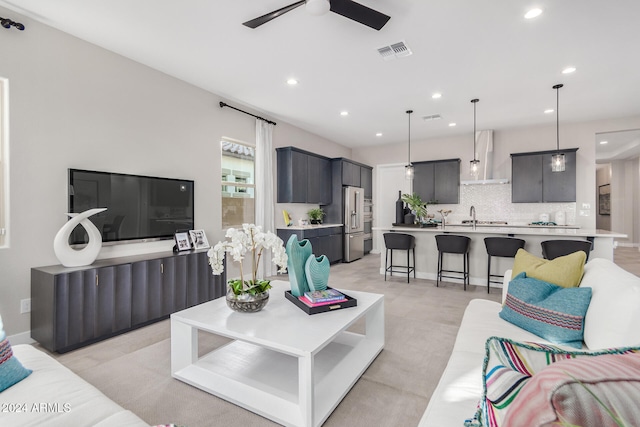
(11, 370)
(547, 310)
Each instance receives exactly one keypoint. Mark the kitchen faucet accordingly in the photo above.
(472, 212)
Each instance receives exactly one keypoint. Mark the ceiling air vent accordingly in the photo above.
(396, 50)
(432, 117)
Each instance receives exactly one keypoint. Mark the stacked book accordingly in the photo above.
(321, 298)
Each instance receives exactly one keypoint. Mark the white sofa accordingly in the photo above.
(611, 321)
(54, 396)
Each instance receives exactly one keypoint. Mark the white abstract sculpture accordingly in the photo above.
(70, 257)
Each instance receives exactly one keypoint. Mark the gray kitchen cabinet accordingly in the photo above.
(437, 181)
(366, 181)
(368, 245)
(74, 307)
(526, 179)
(351, 174)
(324, 240)
(303, 177)
(532, 180)
(424, 180)
(319, 180)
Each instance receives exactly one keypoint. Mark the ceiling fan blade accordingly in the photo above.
(359, 13)
(254, 23)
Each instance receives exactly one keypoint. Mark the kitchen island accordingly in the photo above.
(427, 252)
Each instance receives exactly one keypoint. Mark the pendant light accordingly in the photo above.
(474, 165)
(557, 160)
(408, 170)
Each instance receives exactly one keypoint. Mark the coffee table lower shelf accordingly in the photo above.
(277, 385)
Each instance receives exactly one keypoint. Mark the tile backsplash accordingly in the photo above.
(492, 202)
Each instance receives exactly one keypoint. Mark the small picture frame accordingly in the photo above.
(183, 243)
(199, 239)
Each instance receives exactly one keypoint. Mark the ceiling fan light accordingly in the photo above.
(318, 7)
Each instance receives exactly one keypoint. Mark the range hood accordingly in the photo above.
(484, 147)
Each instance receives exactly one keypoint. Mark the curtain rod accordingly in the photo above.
(223, 104)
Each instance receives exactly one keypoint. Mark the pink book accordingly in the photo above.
(320, 304)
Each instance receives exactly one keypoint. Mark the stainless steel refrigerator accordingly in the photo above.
(353, 223)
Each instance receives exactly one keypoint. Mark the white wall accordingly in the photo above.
(75, 105)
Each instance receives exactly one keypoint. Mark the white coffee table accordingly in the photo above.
(283, 364)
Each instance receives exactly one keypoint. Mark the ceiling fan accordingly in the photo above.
(347, 8)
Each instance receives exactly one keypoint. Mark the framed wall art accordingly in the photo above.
(604, 199)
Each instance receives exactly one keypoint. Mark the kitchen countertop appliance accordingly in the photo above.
(353, 223)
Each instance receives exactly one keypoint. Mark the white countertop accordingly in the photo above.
(518, 230)
(309, 227)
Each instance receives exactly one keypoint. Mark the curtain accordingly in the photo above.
(264, 190)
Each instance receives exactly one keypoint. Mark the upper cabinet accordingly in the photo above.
(534, 182)
(303, 177)
(438, 181)
(351, 174)
(366, 181)
(357, 175)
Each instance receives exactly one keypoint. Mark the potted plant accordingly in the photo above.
(248, 294)
(315, 215)
(417, 206)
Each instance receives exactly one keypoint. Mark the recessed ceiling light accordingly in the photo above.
(344, 113)
(451, 125)
(549, 111)
(533, 13)
(379, 134)
(292, 82)
(568, 70)
(604, 142)
(436, 96)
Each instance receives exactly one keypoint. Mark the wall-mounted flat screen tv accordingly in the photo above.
(138, 207)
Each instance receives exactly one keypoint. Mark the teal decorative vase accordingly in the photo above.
(317, 271)
(297, 252)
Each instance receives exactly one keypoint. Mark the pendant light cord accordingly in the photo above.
(409, 156)
(557, 88)
(474, 101)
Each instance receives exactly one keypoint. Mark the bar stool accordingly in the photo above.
(552, 249)
(399, 241)
(505, 247)
(453, 244)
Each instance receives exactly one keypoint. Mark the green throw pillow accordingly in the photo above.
(565, 271)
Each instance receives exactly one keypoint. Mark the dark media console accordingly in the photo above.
(74, 307)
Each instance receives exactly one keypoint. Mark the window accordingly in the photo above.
(4, 170)
(238, 183)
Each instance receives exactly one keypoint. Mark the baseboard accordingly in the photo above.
(627, 245)
(21, 338)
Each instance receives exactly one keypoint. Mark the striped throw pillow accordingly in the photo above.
(601, 391)
(509, 365)
(11, 370)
